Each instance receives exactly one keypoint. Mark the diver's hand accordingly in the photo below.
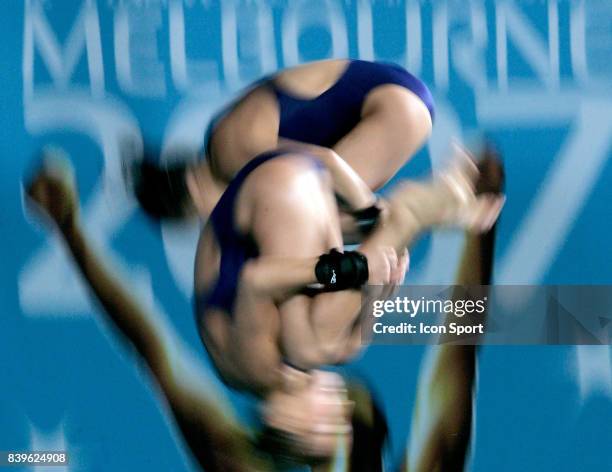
(53, 189)
(382, 263)
(464, 207)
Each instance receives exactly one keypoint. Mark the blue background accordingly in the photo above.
(67, 382)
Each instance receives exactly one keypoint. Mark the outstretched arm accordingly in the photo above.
(215, 439)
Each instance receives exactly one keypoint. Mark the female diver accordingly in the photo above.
(443, 409)
(373, 115)
(260, 250)
(362, 119)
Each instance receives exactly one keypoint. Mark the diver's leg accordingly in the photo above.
(252, 351)
(215, 439)
(394, 125)
(449, 199)
(442, 417)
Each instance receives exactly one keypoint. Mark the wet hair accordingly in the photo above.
(161, 189)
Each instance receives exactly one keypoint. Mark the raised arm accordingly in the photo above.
(215, 439)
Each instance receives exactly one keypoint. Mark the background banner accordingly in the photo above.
(533, 76)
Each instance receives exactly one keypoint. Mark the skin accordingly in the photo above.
(442, 413)
(272, 321)
(214, 437)
(394, 124)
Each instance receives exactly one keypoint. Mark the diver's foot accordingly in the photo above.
(452, 198)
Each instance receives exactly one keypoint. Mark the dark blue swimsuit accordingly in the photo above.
(236, 248)
(323, 121)
(326, 119)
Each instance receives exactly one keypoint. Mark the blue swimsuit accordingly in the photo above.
(236, 248)
(326, 119)
(323, 121)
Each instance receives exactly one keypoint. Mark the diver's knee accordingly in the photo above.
(412, 112)
(404, 110)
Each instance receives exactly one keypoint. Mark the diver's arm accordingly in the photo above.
(278, 277)
(215, 439)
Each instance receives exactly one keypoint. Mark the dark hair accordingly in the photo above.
(161, 189)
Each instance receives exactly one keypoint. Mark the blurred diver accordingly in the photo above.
(309, 412)
(363, 120)
(276, 229)
(275, 233)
